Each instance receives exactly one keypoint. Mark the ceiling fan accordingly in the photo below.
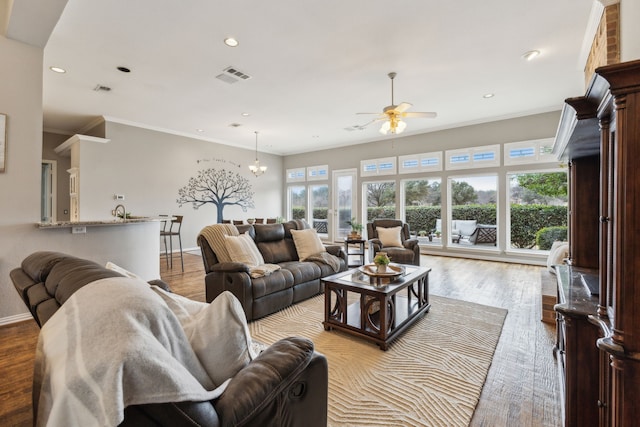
(393, 114)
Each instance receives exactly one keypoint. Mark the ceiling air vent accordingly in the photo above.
(232, 75)
(101, 88)
(354, 127)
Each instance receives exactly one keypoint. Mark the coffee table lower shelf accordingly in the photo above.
(371, 330)
(364, 317)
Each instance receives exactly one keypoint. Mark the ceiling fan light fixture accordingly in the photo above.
(386, 126)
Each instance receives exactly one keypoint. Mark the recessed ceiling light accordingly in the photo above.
(199, 130)
(245, 114)
(528, 56)
(231, 42)
(57, 70)
(124, 69)
(488, 95)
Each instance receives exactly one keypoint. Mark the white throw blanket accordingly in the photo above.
(118, 342)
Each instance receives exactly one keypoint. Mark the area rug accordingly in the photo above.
(432, 375)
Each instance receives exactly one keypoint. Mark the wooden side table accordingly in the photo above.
(359, 252)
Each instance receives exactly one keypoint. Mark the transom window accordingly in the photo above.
(373, 167)
(476, 157)
(419, 163)
(527, 152)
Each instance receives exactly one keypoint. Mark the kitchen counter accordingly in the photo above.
(99, 223)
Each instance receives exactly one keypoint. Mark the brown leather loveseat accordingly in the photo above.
(286, 385)
(295, 281)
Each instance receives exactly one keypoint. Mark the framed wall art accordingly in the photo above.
(3, 141)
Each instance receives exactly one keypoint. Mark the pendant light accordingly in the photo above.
(255, 168)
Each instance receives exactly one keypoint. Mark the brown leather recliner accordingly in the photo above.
(408, 253)
(286, 385)
(295, 281)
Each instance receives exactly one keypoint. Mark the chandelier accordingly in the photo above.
(255, 168)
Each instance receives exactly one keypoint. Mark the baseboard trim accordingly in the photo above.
(15, 319)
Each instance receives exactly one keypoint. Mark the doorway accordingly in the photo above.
(48, 191)
(344, 202)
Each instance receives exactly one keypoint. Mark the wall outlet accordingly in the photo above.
(118, 196)
(78, 230)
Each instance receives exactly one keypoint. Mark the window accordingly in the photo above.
(386, 166)
(315, 173)
(319, 206)
(294, 175)
(297, 202)
(476, 157)
(473, 211)
(421, 207)
(419, 163)
(379, 200)
(527, 152)
(537, 201)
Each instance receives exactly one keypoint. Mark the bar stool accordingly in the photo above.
(259, 221)
(170, 233)
(238, 222)
(163, 230)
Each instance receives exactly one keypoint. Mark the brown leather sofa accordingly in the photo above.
(285, 386)
(408, 253)
(295, 281)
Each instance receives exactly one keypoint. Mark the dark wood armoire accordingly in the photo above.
(598, 347)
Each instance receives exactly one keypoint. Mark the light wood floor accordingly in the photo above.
(521, 388)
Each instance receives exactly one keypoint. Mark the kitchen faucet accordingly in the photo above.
(124, 211)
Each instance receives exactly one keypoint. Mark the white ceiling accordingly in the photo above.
(313, 65)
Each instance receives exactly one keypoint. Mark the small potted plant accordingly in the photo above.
(356, 228)
(381, 260)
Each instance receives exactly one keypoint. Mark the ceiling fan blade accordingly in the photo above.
(402, 107)
(424, 115)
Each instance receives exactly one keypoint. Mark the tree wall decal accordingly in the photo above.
(218, 186)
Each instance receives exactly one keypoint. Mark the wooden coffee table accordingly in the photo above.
(405, 298)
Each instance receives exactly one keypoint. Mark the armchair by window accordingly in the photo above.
(392, 236)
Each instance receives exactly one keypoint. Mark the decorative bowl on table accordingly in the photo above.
(393, 271)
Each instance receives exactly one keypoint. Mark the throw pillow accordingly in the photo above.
(243, 249)
(307, 243)
(558, 252)
(390, 236)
